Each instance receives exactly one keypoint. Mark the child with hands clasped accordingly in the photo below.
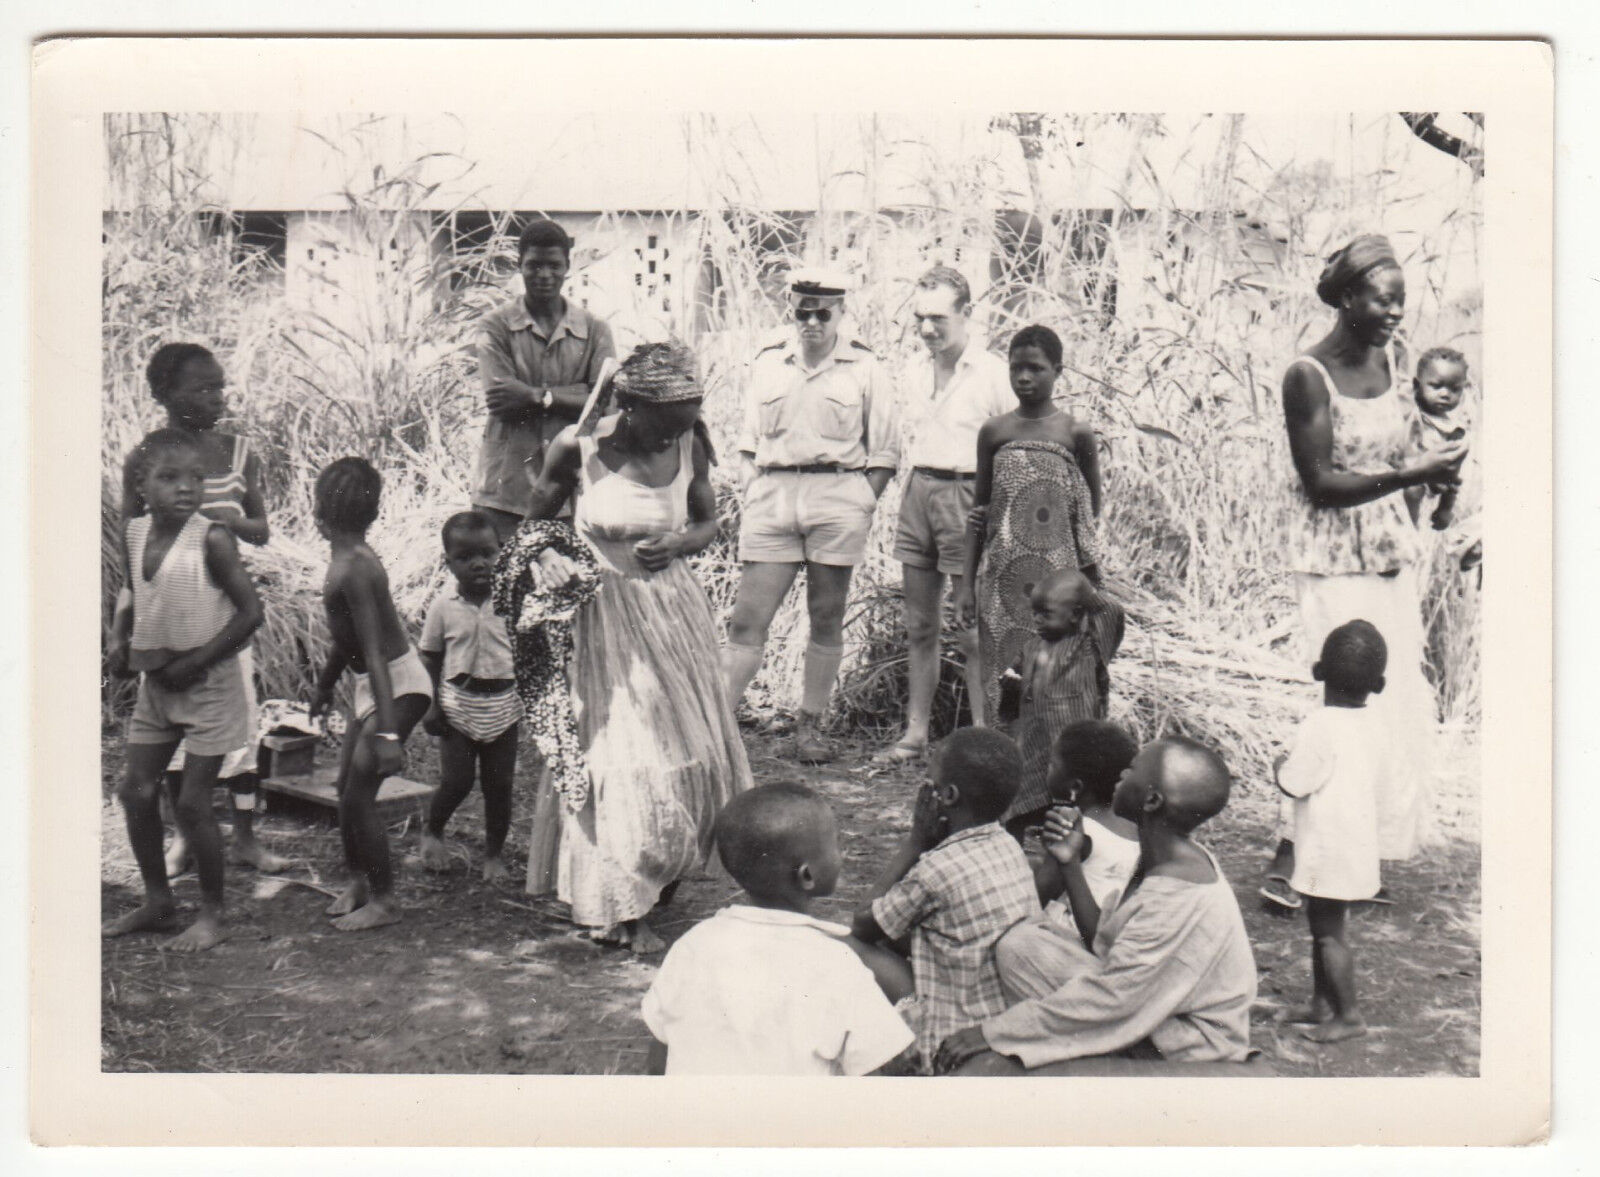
(1334, 772)
(956, 884)
(193, 609)
(393, 690)
(766, 988)
(476, 710)
(187, 381)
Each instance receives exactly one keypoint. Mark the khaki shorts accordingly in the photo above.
(789, 517)
(933, 523)
(212, 718)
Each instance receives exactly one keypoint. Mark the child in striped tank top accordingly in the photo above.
(187, 381)
(476, 708)
(194, 608)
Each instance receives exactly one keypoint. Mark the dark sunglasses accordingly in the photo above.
(821, 315)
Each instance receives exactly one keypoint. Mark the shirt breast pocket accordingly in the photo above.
(771, 414)
(839, 416)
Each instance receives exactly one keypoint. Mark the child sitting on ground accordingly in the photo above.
(766, 988)
(1063, 679)
(393, 690)
(955, 885)
(1442, 424)
(194, 608)
(1088, 759)
(1164, 974)
(476, 709)
(1334, 772)
(187, 381)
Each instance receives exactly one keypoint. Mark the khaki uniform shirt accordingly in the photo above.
(511, 347)
(843, 412)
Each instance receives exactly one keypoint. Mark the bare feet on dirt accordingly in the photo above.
(352, 897)
(495, 870)
(253, 853)
(376, 914)
(148, 917)
(1336, 1030)
(1311, 1015)
(435, 854)
(206, 932)
(643, 939)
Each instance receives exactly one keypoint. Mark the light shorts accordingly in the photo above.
(932, 532)
(240, 761)
(823, 518)
(407, 676)
(212, 717)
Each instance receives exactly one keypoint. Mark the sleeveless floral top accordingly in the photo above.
(1372, 436)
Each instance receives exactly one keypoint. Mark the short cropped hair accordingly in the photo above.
(347, 494)
(949, 278)
(760, 834)
(465, 523)
(541, 233)
(1443, 355)
(985, 766)
(155, 443)
(1097, 752)
(1354, 656)
(1039, 336)
(168, 360)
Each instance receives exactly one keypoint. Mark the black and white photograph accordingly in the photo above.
(767, 591)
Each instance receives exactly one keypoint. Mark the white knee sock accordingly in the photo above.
(822, 667)
(739, 666)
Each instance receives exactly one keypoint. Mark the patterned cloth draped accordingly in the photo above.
(539, 622)
(1040, 520)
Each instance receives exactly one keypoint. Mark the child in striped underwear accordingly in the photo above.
(476, 710)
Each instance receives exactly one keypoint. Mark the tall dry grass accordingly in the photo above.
(1178, 371)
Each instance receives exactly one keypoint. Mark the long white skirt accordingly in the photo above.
(1406, 703)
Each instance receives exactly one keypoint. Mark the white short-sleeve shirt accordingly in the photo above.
(758, 991)
(1334, 772)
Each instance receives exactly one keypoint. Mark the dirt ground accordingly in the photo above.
(488, 980)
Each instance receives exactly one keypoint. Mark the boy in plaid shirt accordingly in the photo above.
(955, 885)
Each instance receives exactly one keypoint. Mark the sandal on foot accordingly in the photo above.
(1280, 896)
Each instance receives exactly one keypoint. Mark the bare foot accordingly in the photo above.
(150, 917)
(1311, 1015)
(206, 932)
(435, 855)
(353, 897)
(253, 853)
(376, 914)
(643, 940)
(495, 870)
(1336, 1030)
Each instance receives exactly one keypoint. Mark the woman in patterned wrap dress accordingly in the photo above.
(1034, 505)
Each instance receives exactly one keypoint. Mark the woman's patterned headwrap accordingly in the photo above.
(659, 373)
(1349, 265)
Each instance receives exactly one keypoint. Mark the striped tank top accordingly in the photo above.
(224, 494)
(180, 608)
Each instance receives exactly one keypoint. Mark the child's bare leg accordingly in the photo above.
(458, 762)
(242, 807)
(178, 859)
(889, 969)
(140, 794)
(366, 840)
(497, 765)
(355, 891)
(199, 826)
(1327, 918)
(1321, 1007)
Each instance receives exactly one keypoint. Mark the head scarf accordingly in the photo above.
(659, 374)
(1349, 265)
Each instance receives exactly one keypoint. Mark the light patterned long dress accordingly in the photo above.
(1040, 520)
(660, 740)
(1362, 562)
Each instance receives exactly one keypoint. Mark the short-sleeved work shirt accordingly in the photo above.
(843, 412)
(512, 347)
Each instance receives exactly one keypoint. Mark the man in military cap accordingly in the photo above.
(819, 443)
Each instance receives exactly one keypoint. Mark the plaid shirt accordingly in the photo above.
(957, 900)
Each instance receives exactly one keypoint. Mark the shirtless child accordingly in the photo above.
(393, 690)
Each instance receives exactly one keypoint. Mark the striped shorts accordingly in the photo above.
(483, 718)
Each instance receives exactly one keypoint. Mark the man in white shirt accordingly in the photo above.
(960, 388)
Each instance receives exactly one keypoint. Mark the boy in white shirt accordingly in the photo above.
(765, 988)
